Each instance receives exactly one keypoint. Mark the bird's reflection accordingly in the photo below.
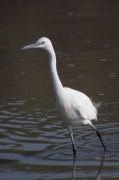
(100, 167)
(99, 171)
(74, 168)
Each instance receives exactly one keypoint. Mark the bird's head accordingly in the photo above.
(43, 43)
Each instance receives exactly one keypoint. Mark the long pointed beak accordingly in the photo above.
(35, 45)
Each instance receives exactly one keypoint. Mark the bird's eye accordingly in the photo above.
(40, 43)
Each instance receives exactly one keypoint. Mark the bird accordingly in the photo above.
(73, 107)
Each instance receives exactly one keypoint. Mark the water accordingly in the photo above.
(34, 142)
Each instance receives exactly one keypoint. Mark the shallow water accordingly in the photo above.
(34, 142)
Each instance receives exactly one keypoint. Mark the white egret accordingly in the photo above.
(73, 107)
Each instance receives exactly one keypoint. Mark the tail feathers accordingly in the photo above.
(96, 104)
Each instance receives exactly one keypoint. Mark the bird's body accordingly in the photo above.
(73, 107)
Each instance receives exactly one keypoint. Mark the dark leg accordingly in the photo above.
(98, 134)
(73, 145)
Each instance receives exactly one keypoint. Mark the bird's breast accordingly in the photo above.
(66, 113)
(64, 109)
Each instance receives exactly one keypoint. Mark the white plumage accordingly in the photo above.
(73, 107)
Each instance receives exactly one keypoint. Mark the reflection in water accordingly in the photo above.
(74, 168)
(100, 167)
(99, 170)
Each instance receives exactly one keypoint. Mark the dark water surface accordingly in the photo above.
(34, 142)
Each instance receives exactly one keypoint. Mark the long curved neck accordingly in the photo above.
(57, 85)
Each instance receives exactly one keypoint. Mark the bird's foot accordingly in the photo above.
(74, 150)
